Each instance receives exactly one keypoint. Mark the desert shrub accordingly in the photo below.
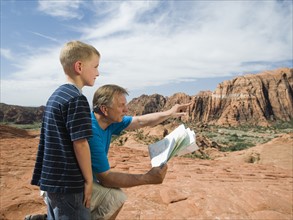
(140, 135)
(116, 137)
(197, 155)
(233, 137)
(280, 125)
(236, 147)
(211, 135)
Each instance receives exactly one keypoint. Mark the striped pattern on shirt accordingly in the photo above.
(66, 119)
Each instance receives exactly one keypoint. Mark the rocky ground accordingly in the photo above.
(251, 184)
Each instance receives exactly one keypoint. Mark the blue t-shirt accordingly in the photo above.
(100, 142)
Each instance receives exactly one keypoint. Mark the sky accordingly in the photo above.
(147, 47)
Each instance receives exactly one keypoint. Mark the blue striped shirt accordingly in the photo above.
(66, 119)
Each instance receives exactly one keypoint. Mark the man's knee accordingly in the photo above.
(106, 202)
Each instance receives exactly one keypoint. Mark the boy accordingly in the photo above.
(63, 164)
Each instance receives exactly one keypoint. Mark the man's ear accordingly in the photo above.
(104, 110)
(77, 66)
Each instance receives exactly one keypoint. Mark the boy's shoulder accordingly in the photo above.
(69, 88)
(66, 93)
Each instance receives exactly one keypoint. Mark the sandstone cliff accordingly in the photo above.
(255, 99)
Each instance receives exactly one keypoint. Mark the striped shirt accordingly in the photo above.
(66, 119)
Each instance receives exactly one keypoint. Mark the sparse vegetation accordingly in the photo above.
(226, 138)
(199, 155)
(138, 135)
(239, 138)
(283, 125)
(236, 147)
(146, 139)
(35, 126)
(243, 137)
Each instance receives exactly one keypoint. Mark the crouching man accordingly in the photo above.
(109, 117)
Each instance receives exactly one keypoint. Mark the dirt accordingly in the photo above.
(251, 184)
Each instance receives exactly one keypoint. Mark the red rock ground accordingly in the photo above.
(225, 188)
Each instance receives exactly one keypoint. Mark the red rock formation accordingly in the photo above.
(254, 99)
(146, 104)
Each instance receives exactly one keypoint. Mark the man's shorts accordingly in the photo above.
(105, 201)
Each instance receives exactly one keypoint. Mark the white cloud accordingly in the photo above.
(6, 53)
(66, 9)
(137, 54)
(152, 43)
(45, 36)
(33, 92)
(39, 73)
(42, 64)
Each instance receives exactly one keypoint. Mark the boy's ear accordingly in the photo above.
(77, 66)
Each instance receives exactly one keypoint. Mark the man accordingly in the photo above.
(108, 118)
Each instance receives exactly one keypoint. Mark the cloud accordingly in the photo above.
(6, 53)
(65, 9)
(155, 43)
(39, 64)
(200, 40)
(38, 75)
(45, 36)
(29, 92)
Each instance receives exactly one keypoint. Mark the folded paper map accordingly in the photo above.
(179, 142)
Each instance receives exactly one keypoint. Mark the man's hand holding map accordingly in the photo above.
(179, 142)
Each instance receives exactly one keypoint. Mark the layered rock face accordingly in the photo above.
(255, 99)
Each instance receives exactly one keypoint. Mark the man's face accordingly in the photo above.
(118, 108)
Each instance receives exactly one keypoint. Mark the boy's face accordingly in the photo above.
(90, 70)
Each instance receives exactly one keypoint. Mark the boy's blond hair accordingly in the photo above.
(74, 51)
(105, 94)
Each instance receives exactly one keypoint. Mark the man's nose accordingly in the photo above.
(125, 109)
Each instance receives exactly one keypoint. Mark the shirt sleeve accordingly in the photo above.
(78, 120)
(118, 127)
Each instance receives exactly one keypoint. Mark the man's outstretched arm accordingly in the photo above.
(156, 118)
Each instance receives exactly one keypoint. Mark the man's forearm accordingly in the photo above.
(153, 119)
(122, 180)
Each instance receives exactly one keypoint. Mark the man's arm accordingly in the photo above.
(124, 180)
(82, 153)
(156, 118)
